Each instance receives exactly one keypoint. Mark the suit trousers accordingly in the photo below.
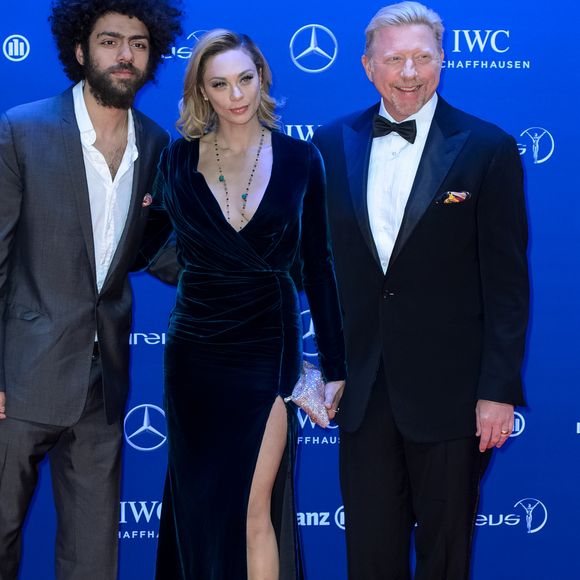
(85, 463)
(392, 486)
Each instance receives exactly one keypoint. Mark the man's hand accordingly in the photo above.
(495, 422)
(2, 405)
(332, 394)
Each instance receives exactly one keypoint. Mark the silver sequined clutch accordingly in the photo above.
(308, 394)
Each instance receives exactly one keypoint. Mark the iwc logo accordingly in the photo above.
(540, 143)
(313, 48)
(139, 520)
(310, 433)
(481, 49)
(16, 47)
(302, 132)
(479, 40)
(145, 427)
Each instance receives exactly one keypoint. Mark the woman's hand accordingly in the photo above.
(332, 395)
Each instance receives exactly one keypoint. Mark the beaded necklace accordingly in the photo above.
(222, 179)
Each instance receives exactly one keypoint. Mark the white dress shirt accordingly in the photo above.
(392, 168)
(109, 198)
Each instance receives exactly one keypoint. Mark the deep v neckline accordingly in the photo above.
(215, 202)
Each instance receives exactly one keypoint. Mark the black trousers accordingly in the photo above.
(391, 485)
(85, 462)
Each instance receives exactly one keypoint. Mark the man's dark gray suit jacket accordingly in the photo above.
(49, 303)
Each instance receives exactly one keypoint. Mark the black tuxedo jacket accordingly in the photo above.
(49, 304)
(449, 316)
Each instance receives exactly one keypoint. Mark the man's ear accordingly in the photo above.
(79, 53)
(367, 65)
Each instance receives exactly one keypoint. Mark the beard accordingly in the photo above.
(113, 92)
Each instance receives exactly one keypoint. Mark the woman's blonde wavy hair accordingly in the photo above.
(196, 115)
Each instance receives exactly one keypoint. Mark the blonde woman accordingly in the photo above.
(244, 200)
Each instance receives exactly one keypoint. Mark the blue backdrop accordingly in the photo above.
(513, 63)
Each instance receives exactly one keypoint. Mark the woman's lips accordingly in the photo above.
(239, 110)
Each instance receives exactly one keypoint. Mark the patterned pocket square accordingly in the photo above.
(147, 200)
(453, 197)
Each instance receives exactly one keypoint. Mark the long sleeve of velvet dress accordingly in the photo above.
(234, 344)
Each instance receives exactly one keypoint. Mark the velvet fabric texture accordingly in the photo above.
(233, 346)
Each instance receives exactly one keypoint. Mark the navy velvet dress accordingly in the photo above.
(233, 346)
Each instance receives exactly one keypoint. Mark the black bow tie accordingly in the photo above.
(407, 129)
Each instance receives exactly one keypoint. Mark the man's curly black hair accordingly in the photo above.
(72, 22)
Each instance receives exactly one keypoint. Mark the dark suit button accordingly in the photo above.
(387, 294)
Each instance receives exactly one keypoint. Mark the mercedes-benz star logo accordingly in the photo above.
(308, 335)
(144, 427)
(313, 48)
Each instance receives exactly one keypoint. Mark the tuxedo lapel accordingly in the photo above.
(76, 170)
(443, 145)
(357, 149)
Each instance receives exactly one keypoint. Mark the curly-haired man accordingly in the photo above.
(75, 175)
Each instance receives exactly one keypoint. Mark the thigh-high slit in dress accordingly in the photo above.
(233, 346)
